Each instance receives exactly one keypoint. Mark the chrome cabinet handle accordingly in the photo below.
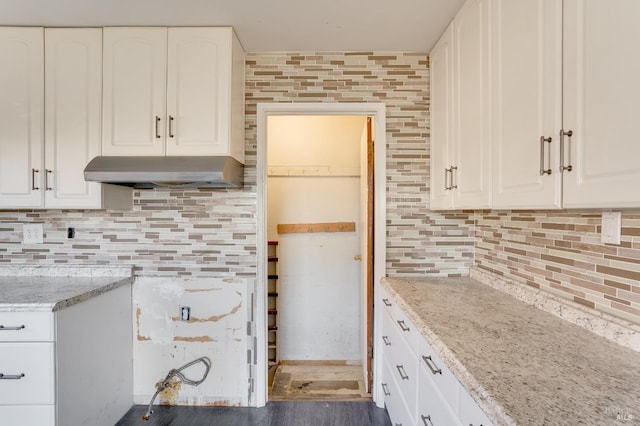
(386, 340)
(432, 366)
(385, 389)
(403, 374)
(11, 376)
(544, 171)
(426, 419)
(12, 328)
(171, 135)
(402, 325)
(33, 179)
(562, 135)
(157, 127)
(446, 174)
(47, 172)
(386, 302)
(454, 171)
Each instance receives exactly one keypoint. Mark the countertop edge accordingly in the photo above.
(92, 293)
(491, 407)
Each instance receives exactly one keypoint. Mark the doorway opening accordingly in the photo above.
(316, 256)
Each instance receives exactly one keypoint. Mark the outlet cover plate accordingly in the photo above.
(32, 233)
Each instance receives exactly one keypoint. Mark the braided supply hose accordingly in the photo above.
(166, 382)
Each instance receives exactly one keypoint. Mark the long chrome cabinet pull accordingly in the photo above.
(33, 179)
(386, 302)
(401, 372)
(446, 179)
(12, 328)
(11, 376)
(386, 340)
(454, 171)
(544, 171)
(426, 419)
(47, 173)
(385, 389)
(432, 366)
(562, 135)
(171, 135)
(402, 325)
(157, 127)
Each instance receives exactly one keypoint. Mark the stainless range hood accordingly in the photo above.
(171, 172)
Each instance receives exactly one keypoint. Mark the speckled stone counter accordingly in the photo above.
(33, 288)
(521, 364)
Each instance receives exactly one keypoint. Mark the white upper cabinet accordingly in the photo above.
(51, 119)
(460, 130)
(134, 91)
(526, 102)
(21, 116)
(73, 106)
(176, 91)
(601, 90)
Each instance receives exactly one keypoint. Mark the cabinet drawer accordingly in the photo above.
(35, 361)
(403, 365)
(432, 408)
(398, 412)
(26, 326)
(28, 415)
(433, 366)
(407, 329)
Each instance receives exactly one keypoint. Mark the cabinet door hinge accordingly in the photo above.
(370, 352)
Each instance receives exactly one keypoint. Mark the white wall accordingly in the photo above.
(319, 280)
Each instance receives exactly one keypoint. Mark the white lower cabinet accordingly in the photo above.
(416, 385)
(71, 367)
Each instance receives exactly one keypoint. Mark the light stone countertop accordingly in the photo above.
(32, 288)
(521, 364)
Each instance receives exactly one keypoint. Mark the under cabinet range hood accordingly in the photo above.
(166, 172)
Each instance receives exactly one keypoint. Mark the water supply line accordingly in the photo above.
(166, 382)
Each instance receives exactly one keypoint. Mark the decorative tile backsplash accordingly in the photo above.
(560, 252)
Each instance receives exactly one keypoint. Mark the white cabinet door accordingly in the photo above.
(601, 92)
(21, 117)
(198, 91)
(73, 105)
(134, 91)
(472, 138)
(441, 66)
(526, 96)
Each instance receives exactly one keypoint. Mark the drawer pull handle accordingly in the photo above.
(386, 302)
(432, 366)
(426, 419)
(11, 376)
(16, 328)
(386, 341)
(33, 179)
(157, 127)
(403, 374)
(403, 326)
(385, 389)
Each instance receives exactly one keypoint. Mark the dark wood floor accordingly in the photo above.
(276, 413)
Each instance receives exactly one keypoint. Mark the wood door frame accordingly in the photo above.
(378, 112)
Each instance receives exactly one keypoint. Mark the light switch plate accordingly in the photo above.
(611, 226)
(32, 233)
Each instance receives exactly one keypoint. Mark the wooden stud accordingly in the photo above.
(306, 228)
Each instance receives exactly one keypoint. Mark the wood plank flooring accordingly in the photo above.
(275, 413)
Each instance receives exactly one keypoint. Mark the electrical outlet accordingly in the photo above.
(185, 313)
(610, 230)
(32, 233)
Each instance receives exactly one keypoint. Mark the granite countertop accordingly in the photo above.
(54, 288)
(521, 364)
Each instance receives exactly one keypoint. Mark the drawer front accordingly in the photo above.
(470, 412)
(443, 378)
(388, 303)
(398, 412)
(35, 361)
(407, 329)
(432, 408)
(26, 326)
(403, 365)
(28, 415)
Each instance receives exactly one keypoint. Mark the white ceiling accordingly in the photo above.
(261, 25)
